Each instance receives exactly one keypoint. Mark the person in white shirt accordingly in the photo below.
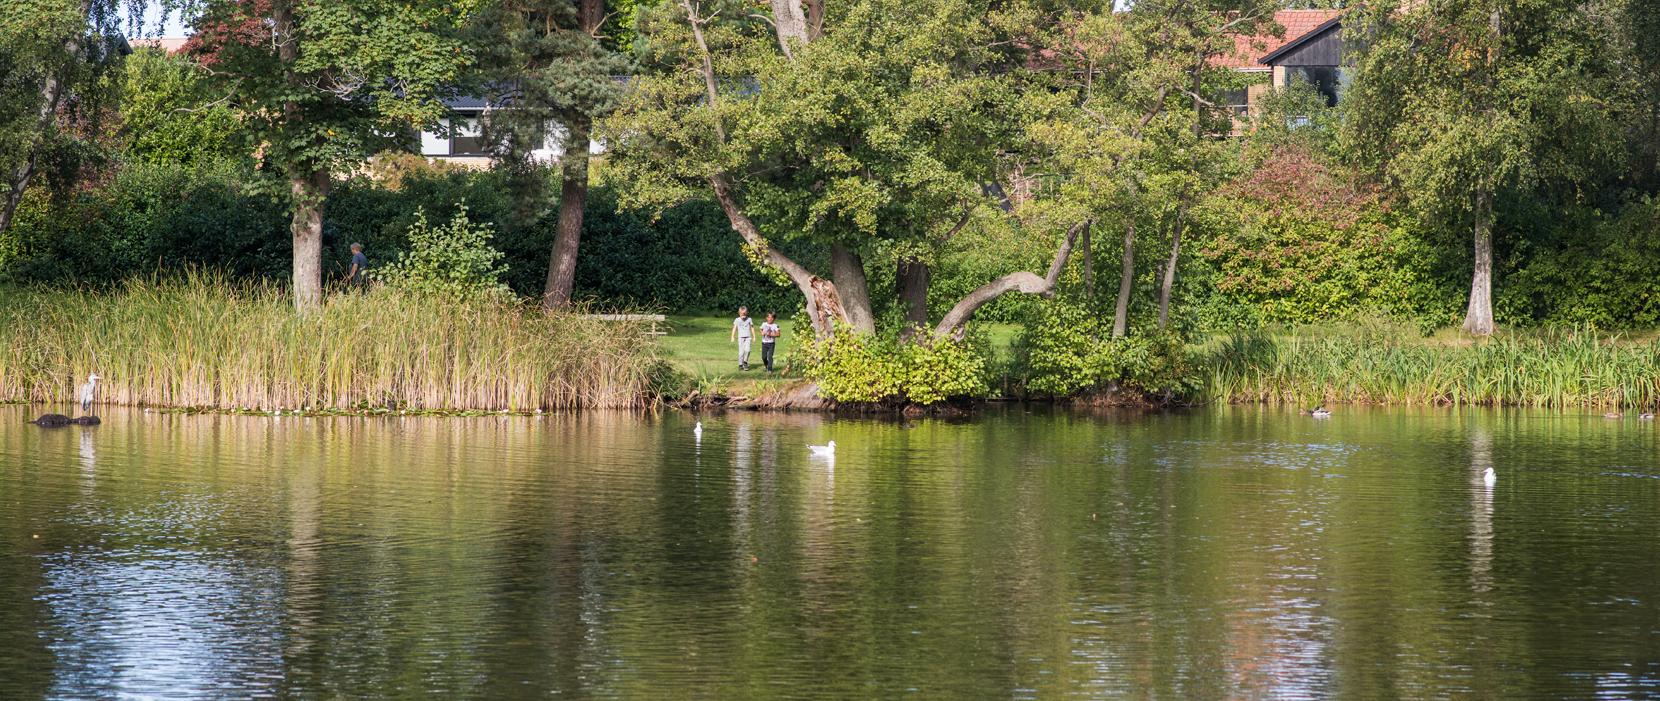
(769, 339)
(742, 329)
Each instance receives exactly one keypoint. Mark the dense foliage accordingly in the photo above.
(451, 260)
(165, 216)
(1067, 349)
(865, 368)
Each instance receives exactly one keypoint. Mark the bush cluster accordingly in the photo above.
(865, 368)
(452, 260)
(1066, 349)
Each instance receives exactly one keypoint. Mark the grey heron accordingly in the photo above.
(88, 391)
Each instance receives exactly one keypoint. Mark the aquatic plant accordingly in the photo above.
(202, 341)
(1566, 368)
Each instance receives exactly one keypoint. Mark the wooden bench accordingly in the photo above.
(655, 319)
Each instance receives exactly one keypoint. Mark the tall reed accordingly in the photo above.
(1551, 369)
(201, 341)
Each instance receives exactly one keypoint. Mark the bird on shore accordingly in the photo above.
(1489, 478)
(88, 392)
(828, 450)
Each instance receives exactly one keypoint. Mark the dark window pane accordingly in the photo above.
(468, 139)
(1323, 78)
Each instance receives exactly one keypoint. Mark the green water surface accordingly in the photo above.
(1210, 554)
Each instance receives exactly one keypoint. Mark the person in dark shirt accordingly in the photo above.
(360, 264)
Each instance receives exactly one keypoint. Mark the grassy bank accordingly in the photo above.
(202, 342)
(699, 347)
(1543, 369)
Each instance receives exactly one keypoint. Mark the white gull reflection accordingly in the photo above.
(1481, 512)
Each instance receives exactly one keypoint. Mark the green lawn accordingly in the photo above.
(699, 346)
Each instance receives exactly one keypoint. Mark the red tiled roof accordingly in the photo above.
(169, 44)
(1247, 49)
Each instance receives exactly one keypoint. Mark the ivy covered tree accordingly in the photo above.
(1466, 105)
(320, 85)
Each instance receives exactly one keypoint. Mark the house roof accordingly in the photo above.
(171, 45)
(1298, 24)
(1308, 36)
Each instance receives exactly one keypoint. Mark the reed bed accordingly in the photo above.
(203, 342)
(1561, 369)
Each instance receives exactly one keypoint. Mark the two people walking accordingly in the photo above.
(743, 331)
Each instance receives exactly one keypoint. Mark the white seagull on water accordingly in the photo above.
(1489, 478)
(824, 451)
(697, 430)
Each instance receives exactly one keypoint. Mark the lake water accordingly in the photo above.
(1217, 553)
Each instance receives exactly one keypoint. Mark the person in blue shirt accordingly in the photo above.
(360, 265)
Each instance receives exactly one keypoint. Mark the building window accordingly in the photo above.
(468, 139)
(1237, 101)
(1327, 80)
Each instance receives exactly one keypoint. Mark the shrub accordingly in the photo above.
(1068, 350)
(864, 368)
(453, 260)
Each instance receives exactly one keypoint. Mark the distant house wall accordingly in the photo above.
(1323, 50)
(1316, 59)
(1311, 39)
(465, 143)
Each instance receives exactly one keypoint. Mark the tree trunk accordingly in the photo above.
(1170, 267)
(590, 14)
(1478, 319)
(308, 184)
(51, 95)
(847, 269)
(815, 19)
(913, 295)
(1089, 265)
(791, 23)
(1126, 280)
(309, 193)
(19, 181)
(1029, 283)
(573, 200)
(824, 306)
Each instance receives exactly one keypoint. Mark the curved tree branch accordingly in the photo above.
(1025, 282)
(823, 304)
